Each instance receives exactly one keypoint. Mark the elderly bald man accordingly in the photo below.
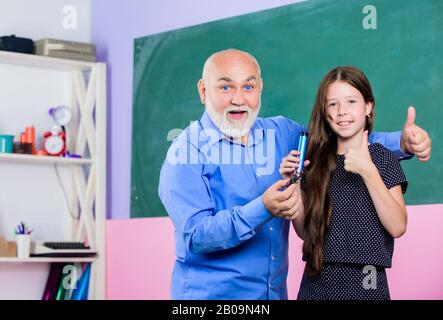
(220, 185)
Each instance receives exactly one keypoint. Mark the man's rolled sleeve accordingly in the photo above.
(392, 141)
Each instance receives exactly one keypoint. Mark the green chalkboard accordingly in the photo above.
(296, 45)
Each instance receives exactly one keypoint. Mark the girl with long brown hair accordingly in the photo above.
(352, 192)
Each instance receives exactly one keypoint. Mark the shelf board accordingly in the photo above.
(32, 60)
(27, 158)
(47, 260)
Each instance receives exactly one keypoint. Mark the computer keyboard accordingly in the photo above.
(65, 245)
(61, 249)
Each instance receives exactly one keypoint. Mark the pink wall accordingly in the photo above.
(140, 255)
(139, 258)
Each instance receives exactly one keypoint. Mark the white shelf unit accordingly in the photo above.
(87, 175)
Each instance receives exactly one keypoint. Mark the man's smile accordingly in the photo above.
(236, 114)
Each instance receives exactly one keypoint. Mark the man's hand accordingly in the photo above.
(285, 204)
(414, 139)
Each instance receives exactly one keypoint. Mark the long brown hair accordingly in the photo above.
(322, 150)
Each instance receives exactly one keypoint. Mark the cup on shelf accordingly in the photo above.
(6, 143)
(23, 245)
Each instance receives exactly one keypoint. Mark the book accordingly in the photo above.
(81, 290)
(52, 283)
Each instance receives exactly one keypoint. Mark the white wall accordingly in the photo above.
(38, 19)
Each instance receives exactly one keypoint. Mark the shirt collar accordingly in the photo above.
(208, 124)
(255, 136)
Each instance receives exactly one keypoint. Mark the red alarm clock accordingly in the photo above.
(55, 143)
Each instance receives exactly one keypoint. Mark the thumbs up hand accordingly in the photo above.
(358, 160)
(414, 139)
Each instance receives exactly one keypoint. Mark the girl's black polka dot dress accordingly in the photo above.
(357, 247)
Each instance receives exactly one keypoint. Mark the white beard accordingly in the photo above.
(232, 128)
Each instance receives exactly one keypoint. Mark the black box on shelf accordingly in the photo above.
(16, 44)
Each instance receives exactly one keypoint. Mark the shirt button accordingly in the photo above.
(271, 229)
(273, 257)
(269, 285)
